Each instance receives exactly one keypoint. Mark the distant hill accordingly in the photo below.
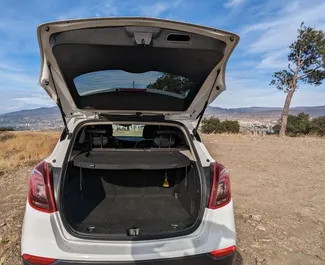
(49, 118)
(32, 112)
(261, 113)
(33, 119)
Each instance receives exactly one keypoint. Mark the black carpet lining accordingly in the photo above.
(152, 214)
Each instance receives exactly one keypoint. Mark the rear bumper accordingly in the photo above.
(205, 259)
(44, 236)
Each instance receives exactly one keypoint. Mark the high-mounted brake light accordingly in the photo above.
(35, 260)
(40, 195)
(220, 188)
(223, 252)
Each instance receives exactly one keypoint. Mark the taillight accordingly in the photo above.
(220, 188)
(223, 252)
(40, 194)
(35, 260)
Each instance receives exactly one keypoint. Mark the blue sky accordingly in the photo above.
(266, 29)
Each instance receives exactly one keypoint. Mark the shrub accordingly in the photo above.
(214, 125)
(4, 136)
(230, 126)
(317, 126)
(6, 129)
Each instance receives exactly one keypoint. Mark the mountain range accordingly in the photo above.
(261, 113)
(49, 118)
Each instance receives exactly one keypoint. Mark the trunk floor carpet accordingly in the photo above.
(149, 214)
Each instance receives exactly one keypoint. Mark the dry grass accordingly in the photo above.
(18, 149)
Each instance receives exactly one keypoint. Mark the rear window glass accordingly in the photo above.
(126, 131)
(119, 81)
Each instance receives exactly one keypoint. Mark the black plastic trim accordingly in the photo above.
(205, 259)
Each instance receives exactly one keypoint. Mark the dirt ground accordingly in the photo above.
(278, 186)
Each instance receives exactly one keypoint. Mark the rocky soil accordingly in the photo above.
(278, 186)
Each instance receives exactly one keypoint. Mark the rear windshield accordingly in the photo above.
(128, 132)
(119, 81)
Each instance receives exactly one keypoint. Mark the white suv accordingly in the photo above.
(129, 181)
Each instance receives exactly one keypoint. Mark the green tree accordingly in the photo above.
(172, 83)
(306, 64)
(296, 125)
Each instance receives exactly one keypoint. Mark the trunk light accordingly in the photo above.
(30, 259)
(40, 195)
(220, 189)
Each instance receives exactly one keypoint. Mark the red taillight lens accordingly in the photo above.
(220, 189)
(37, 260)
(40, 194)
(223, 252)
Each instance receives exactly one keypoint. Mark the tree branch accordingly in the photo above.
(295, 75)
(308, 72)
(290, 68)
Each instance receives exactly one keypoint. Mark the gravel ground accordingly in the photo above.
(278, 186)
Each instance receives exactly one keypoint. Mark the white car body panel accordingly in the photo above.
(44, 235)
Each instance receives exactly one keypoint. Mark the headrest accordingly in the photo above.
(106, 130)
(149, 131)
(99, 134)
(100, 141)
(165, 138)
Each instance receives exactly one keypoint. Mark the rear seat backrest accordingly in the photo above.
(102, 136)
(148, 135)
(165, 138)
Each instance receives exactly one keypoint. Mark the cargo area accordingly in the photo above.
(132, 192)
(121, 201)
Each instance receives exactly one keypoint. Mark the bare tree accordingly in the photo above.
(306, 64)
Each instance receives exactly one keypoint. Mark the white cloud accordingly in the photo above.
(19, 90)
(153, 10)
(233, 3)
(274, 60)
(103, 8)
(243, 92)
(158, 8)
(14, 80)
(12, 100)
(279, 32)
(10, 67)
(109, 8)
